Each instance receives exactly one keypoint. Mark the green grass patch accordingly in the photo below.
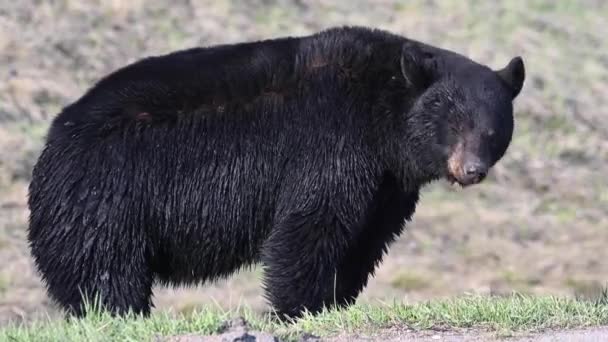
(514, 313)
(587, 289)
(520, 283)
(563, 212)
(410, 281)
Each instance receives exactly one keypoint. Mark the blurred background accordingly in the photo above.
(538, 225)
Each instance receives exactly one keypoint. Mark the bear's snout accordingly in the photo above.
(465, 168)
(473, 172)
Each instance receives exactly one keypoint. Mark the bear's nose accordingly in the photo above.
(475, 172)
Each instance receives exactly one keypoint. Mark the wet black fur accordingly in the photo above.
(305, 154)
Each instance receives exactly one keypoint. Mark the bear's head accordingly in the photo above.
(462, 114)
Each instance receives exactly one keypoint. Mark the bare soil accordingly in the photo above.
(237, 330)
(396, 335)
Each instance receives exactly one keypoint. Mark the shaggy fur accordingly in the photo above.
(305, 154)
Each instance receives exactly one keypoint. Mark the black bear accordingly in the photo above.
(304, 154)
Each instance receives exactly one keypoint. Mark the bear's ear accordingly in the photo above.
(513, 75)
(416, 66)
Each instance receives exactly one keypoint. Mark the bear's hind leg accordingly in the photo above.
(101, 265)
(118, 289)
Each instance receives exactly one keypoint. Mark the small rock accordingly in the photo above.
(247, 337)
(235, 330)
(234, 325)
(306, 337)
(254, 336)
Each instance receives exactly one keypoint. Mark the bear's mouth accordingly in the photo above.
(464, 181)
(454, 181)
(464, 169)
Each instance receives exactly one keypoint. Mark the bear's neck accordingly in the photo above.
(372, 59)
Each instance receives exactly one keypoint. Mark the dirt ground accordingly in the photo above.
(538, 225)
(397, 335)
(238, 331)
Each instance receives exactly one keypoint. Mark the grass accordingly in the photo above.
(514, 313)
(516, 280)
(410, 282)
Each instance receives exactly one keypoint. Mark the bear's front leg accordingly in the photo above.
(300, 258)
(310, 238)
(392, 208)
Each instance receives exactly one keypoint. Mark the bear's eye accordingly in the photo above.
(490, 133)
